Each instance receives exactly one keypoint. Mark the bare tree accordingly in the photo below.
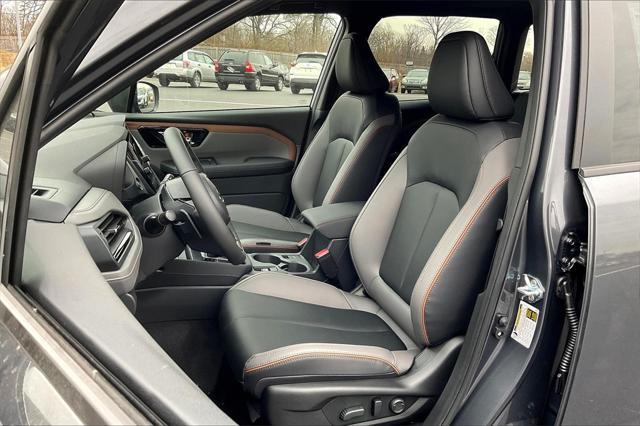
(263, 27)
(437, 27)
(412, 41)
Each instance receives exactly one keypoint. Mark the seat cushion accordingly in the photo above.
(255, 225)
(280, 328)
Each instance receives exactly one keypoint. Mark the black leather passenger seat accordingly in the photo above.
(422, 247)
(344, 160)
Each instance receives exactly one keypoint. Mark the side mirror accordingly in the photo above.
(147, 97)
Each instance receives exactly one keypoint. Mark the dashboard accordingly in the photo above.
(89, 177)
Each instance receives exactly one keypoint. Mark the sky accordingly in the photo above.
(480, 25)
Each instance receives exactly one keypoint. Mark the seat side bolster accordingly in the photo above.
(372, 228)
(370, 236)
(305, 179)
(438, 310)
(322, 361)
(357, 176)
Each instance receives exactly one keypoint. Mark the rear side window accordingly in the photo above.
(407, 44)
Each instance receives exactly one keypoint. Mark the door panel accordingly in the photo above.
(249, 154)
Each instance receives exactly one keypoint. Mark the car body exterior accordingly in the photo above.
(394, 77)
(305, 72)
(251, 68)
(191, 67)
(416, 79)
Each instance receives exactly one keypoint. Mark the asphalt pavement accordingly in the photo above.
(183, 97)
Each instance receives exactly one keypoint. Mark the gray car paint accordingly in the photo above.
(605, 385)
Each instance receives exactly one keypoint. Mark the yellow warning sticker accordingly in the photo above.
(525, 327)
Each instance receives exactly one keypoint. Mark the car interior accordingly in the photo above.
(295, 265)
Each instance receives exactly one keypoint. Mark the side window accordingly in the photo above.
(200, 58)
(406, 44)
(239, 53)
(524, 72)
(610, 133)
(16, 20)
(208, 60)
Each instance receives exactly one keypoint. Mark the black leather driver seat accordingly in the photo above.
(422, 247)
(344, 159)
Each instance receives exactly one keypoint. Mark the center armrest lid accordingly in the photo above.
(334, 221)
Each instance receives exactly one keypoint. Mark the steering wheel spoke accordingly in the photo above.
(212, 211)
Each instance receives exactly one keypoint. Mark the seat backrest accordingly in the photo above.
(344, 159)
(424, 241)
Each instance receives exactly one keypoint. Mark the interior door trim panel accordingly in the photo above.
(223, 129)
(249, 154)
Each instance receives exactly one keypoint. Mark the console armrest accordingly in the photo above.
(333, 221)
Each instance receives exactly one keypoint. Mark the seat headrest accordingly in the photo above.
(464, 82)
(357, 70)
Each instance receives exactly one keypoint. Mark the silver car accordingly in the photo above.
(191, 67)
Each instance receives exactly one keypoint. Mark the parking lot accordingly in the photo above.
(182, 97)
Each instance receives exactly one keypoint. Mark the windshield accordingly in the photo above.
(310, 59)
(126, 24)
(418, 74)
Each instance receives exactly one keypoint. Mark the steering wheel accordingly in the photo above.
(204, 194)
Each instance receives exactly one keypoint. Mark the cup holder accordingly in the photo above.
(267, 258)
(295, 267)
(284, 264)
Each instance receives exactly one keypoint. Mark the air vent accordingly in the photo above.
(118, 237)
(39, 192)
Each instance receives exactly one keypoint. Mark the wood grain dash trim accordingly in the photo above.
(222, 128)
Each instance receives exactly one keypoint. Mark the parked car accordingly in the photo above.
(251, 68)
(191, 67)
(393, 76)
(285, 74)
(415, 79)
(305, 71)
(524, 80)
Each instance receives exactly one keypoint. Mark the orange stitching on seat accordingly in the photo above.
(294, 358)
(425, 300)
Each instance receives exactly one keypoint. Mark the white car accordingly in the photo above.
(191, 67)
(305, 72)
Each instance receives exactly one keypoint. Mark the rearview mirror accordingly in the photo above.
(147, 97)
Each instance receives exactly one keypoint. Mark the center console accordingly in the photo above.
(191, 286)
(324, 255)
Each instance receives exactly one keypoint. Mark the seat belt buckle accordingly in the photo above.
(326, 262)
